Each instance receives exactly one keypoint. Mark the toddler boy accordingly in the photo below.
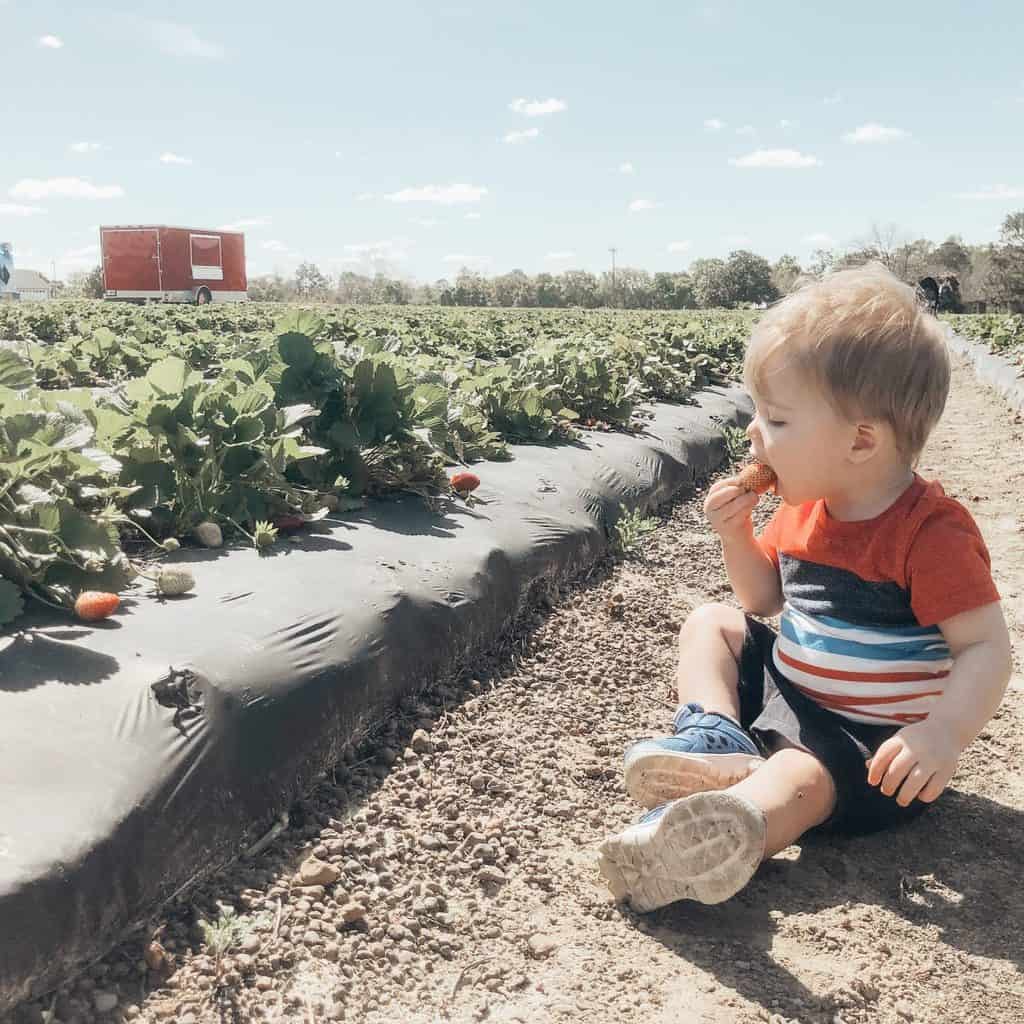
(892, 651)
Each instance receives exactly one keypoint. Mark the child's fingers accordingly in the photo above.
(917, 778)
(936, 784)
(899, 768)
(878, 765)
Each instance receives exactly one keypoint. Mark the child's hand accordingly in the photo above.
(922, 757)
(728, 507)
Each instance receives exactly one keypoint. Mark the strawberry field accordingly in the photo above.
(1002, 333)
(122, 429)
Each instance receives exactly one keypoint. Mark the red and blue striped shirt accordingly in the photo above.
(859, 628)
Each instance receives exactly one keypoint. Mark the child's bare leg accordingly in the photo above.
(709, 653)
(706, 750)
(707, 846)
(795, 793)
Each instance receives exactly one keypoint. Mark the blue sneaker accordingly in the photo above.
(708, 751)
(705, 847)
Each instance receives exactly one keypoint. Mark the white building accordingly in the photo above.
(31, 286)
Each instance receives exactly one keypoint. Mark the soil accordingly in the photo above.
(455, 876)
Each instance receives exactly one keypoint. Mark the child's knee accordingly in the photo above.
(805, 775)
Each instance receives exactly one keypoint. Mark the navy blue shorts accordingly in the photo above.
(770, 703)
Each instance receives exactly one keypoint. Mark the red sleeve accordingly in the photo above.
(948, 567)
(768, 540)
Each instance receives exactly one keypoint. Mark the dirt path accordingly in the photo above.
(466, 847)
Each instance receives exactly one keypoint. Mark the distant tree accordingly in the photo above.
(513, 289)
(471, 289)
(271, 288)
(310, 283)
(549, 290)
(785, 273)
(85, 284)
(952, 256)
(1007, 272)
(672, 291)
(581, 288)
(913, 260)
(710, 283)
(822, 261)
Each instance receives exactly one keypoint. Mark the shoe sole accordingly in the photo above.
(705, 847)
(654, 777)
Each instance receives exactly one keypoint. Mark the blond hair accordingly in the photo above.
(868, 343)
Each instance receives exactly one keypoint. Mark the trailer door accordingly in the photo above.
(207, 257)
(131, 259)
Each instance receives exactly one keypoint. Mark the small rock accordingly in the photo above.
(318, 872)
(209, 535)
(250, 944)
(904, 1009)
(155, 956)
(351, 912)
(541, 946)
(421, 743)
(104, 1001)
(489, 873)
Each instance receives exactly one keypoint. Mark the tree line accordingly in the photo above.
(991, 278)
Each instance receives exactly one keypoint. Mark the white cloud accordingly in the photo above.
(365, 196)
(747, 129)
(85, 147)
(833, 99)
(173, 158)
(626, 168)
(17, 210)
(873, 132)
(784, 124)
(639, 205)
(679, 246)
(994, 192)
(819, 240)
(559, 257)
(447, 195)
(50, 42)
(69, 188)
(537, 108)
(77, 259)
(712, 124)
(455, 257)
(424, 222)
(515, 137)
(392, 250)
(274, 245)
(775, 158)
(246, 222)
(472, 216)
(182, 40)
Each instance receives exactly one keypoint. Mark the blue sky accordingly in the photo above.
(418, 137)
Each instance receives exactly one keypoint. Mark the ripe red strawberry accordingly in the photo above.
(757, 477)
(465, 482)
(93, 605)
(288, 522)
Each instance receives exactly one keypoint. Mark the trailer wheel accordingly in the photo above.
(203, 297)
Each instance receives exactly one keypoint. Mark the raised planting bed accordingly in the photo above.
(149, 750)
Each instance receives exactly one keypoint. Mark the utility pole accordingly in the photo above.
(613, 251)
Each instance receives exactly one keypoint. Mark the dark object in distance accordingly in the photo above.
(941, 295)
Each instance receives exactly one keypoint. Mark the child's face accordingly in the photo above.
(798, 434)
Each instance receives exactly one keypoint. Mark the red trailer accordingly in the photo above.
(173, 264)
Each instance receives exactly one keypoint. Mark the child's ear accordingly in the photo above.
(866, 442)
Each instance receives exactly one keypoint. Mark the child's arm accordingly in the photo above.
(754, 578)
(922, 757)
